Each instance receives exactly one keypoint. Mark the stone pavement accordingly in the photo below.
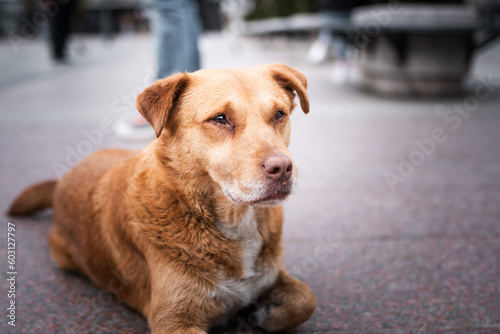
(395, 223)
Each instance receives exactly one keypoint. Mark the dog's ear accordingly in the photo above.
(156, 102)
(292, 80)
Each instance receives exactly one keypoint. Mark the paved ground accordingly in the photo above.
(416, 253)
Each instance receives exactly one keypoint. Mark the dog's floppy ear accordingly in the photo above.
(157, 101)
(291, 79)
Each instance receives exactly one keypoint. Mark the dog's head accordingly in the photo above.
(232, 125)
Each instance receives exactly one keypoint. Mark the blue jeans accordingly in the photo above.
(176, 25)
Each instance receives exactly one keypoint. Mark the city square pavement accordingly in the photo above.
(395, 222)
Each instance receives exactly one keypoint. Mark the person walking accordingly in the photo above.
(176, 25)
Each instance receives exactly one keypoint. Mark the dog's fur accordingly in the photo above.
(188, 230)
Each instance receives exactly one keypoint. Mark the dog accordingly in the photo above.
(188, 230)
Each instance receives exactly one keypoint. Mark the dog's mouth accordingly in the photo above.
(278, 194)
(269, 194)
(258, 192)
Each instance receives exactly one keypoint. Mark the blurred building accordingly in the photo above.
(92, 16)
(113, 16)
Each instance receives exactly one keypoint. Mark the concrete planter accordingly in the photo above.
(415, 49)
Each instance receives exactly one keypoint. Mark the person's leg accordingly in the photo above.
(192, 29)
(60, 29)
(176, 25)
(57, 33)
(167, 27)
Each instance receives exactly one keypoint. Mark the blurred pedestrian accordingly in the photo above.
(60, 28)
(176, 25)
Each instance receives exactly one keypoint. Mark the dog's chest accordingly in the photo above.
(237, 292)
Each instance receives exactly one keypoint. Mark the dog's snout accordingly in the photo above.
(278, 167)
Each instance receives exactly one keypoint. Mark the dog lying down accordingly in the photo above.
(188, 230)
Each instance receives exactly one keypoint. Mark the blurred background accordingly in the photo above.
(395, 222)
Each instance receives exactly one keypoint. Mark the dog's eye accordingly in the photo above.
(221, 119)
(280, 114)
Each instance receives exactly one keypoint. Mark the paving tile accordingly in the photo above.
(360, 286)
(398, 285)
(420, 258)
(355, 154)
(363, 215)
(52, 300)
(468, 272)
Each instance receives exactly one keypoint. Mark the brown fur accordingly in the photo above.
(174, 228)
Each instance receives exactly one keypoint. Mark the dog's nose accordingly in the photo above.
(278, 167)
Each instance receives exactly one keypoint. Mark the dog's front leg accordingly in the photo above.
(180, 303)
(290, 303)
(169, 330)
(173, 312)
(171, 321)
(177, 331)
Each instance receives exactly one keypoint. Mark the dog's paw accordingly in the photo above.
(279, 319)
(293, 304)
